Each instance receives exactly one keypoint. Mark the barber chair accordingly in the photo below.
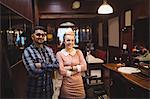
(94, 85)
(93, 90)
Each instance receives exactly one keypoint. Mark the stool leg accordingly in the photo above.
(101, 97)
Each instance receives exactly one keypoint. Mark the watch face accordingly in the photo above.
(76, 5)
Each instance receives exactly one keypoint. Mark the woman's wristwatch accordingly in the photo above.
(71, 68)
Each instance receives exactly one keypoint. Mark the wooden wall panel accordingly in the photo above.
(21, 7)
(0, 59)
(140, 10)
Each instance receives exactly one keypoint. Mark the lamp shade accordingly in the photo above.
(105, 8)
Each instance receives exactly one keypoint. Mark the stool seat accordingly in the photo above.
(100, 92)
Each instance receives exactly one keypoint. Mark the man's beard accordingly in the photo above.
(40, 42)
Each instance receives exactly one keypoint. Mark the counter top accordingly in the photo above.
(135, 78)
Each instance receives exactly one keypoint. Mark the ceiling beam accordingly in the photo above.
(57, 16)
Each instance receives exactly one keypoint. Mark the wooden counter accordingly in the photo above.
(143, 82)
(121, 85)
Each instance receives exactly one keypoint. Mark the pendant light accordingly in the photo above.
(105, 8)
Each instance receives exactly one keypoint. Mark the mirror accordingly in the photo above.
(15, 32)
(141, 32)
(14, 37)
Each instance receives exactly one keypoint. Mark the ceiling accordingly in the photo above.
(53, 9)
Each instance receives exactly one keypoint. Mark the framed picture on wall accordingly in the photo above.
(113, 29)
(128, 18)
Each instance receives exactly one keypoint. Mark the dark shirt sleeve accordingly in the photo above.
(53, 65)
(30, 65)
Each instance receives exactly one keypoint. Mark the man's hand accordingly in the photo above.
(38, 65)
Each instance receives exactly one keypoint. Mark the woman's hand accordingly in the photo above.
(71, 68)
(68, 67)
(74, 68)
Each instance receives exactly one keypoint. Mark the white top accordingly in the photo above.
(92, 59)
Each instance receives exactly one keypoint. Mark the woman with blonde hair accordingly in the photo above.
(72, 64)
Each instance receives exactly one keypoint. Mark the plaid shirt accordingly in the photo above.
(39, 80)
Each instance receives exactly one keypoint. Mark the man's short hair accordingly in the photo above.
(38, 28)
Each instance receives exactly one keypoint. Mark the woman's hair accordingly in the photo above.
(62, 46)
(67, 33)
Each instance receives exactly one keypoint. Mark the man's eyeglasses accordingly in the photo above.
(40, 34)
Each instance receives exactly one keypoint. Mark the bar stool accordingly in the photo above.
(93, 90)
